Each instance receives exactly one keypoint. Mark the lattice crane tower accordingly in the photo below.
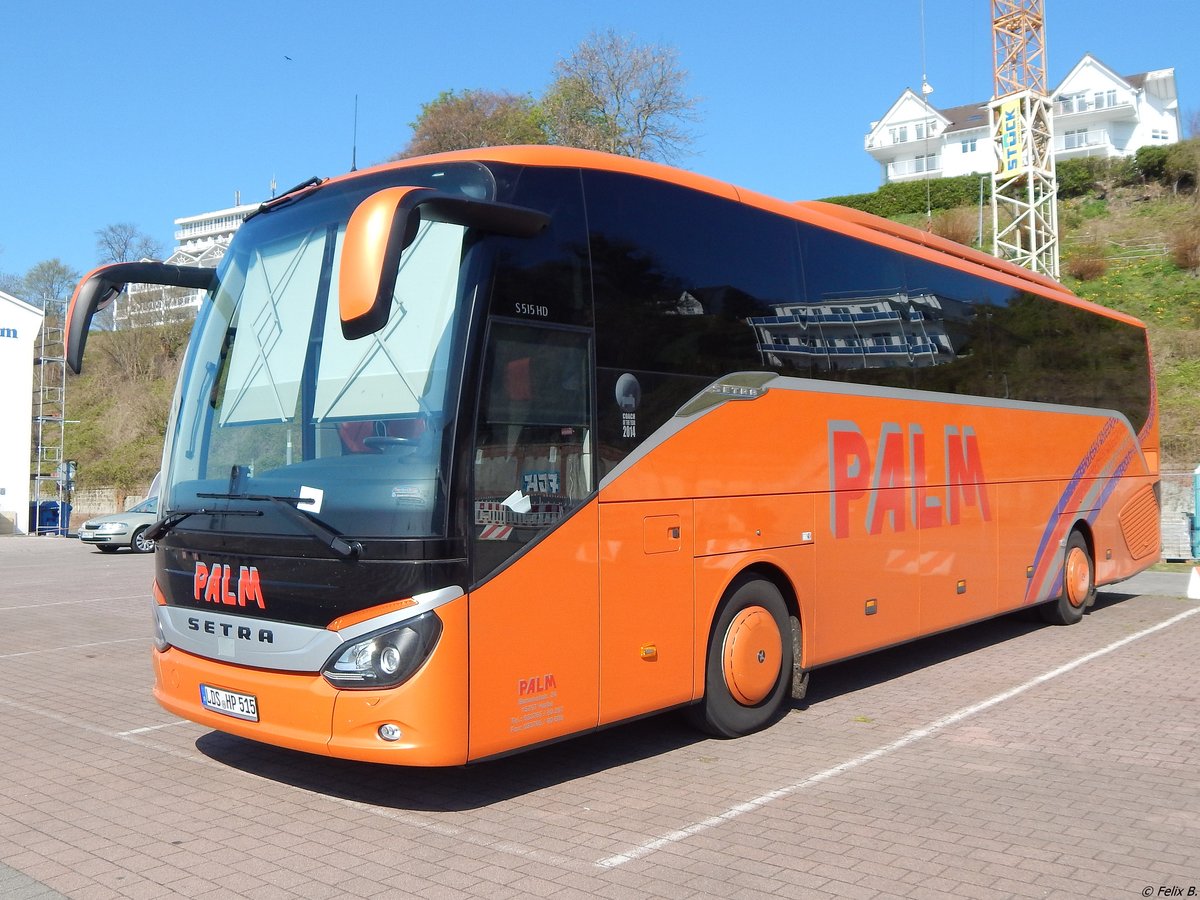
(1024, 183)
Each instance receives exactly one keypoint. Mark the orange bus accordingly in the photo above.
(474, 452)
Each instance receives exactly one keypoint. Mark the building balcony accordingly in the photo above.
(886, 141)
(1107, 106)
(824, 318)
(903, 169)
(1093, 142)
(819, 349)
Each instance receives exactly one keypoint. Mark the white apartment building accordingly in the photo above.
(20, 325)
(201, 240)
(1096, 113)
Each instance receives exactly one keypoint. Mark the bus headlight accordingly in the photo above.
(160, 638)
(386, 658)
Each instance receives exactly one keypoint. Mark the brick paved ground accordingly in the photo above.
(1084, 784)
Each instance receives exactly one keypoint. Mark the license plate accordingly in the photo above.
(240, 706)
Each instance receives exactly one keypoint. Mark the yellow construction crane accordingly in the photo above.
(1024, 183)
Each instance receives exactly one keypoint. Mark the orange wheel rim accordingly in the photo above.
(1078, 576)
(752, 656)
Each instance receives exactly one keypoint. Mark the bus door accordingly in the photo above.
(646, 607)
(534, 607)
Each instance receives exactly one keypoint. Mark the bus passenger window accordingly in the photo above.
(532, 456)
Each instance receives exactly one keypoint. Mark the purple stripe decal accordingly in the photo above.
(1103, 468)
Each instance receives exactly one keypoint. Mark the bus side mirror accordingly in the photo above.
(382, 228)
(99, 287)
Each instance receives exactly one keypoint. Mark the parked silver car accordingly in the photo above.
(126, 529)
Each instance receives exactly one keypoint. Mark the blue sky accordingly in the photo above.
(136, 111)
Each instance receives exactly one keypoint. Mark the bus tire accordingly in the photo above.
(1079, 584)
(748, 672)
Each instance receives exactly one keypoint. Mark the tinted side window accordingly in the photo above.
(545, 278)
(532, 456)
(677, 276)
(1016, 345)
(855, 321)
(1053, 353)
(957, 313)
(876, 316)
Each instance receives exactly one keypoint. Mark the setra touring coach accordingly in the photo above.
(474, 452)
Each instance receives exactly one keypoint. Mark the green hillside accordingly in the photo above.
(120, 402)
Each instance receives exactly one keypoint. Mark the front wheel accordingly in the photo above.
(140, 543)
(1079, 585)
(749, 666)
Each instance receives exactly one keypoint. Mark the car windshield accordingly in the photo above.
(273, 401)
(149, 505)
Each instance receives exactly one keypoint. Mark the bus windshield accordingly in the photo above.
(274, 402)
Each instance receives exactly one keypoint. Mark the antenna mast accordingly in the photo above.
(1024, 182)
(354, 139)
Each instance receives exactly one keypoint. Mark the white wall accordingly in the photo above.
(956, 162)
(19, 327)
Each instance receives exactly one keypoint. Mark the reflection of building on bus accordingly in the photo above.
(863, 333)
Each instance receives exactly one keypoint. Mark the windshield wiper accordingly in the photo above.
(301, 190)
(314, 526)
(169, 521)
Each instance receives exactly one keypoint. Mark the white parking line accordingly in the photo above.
(401, 817)
(682, 834)
(150, 728)
(141, 640)
(70, 602)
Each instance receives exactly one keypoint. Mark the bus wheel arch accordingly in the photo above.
(748, 669)
(791, 599)
(1078, 579)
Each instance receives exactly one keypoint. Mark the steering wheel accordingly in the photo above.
(384, 442)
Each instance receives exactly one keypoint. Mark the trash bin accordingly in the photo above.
(49, 517)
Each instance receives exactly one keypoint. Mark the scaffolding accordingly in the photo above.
(51, 475)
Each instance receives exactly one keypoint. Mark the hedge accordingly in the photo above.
(905, 197)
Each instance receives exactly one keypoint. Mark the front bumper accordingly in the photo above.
(302, 711)
(108, 537)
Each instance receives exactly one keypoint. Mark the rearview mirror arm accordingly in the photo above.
(101, 286)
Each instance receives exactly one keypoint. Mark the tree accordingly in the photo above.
(51, 279)
(118, 243)
(12, 284)
(473, 118)
(124, 242)
(617, 95)
(1183, 166)
(573, 118)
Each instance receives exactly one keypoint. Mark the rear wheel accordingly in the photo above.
(1079, 585)
(749, 666)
